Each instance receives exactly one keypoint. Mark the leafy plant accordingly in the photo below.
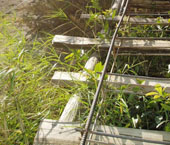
(26, 67)
(162, 100)
(26, 93)
(159, 93)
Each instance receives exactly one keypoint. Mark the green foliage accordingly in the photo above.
(161, 100)
(95, 5)
(166, 107)
(58, 14)
(160, 93)
(137, 111)
(99, 67)
(27, 95)
(167, 127)
(26, 92)
(139, 81)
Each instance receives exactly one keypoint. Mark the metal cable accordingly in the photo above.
(126, 137)
(83, 141)
(121, 7)
(102, 100)
(95, 122)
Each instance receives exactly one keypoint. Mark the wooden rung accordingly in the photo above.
(144, 38)
(150, 2)
(142, 54)
(148, 83)
(123, 44)
(132, 20)
(50, 134)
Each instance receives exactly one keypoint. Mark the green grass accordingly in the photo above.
(26, 92)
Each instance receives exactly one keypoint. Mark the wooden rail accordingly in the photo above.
(70, 111)
(148, 83)
(123, 44)
(49, 134)
(132, 20)
(149, 2)
(63, 132)
(149, 6)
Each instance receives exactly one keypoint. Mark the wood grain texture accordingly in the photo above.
(132, 20)
(70, 111)
(49, 134)
(123, 44)
(161, 4)
(148, 83)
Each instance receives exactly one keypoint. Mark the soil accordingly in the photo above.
(16, 6)
(6, 5)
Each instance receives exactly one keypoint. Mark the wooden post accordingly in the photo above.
(116, 5)
(71, 108)
(49, 134)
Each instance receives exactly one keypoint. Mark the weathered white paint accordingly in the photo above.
(132, 20)
(50, 134)
(148, 83)
(116, 5)
(92, 61)
(125, 44)
(150, 2)
(169, 68)
(71, 108)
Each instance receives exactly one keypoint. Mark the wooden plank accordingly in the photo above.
(143, 54)
(148, 2)
(48, 133)
(68, 78)
(157, 7)
(132, 20)
(151, 4)
(123, 44)
(148, 85)
(116, 5)
(71, 108)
